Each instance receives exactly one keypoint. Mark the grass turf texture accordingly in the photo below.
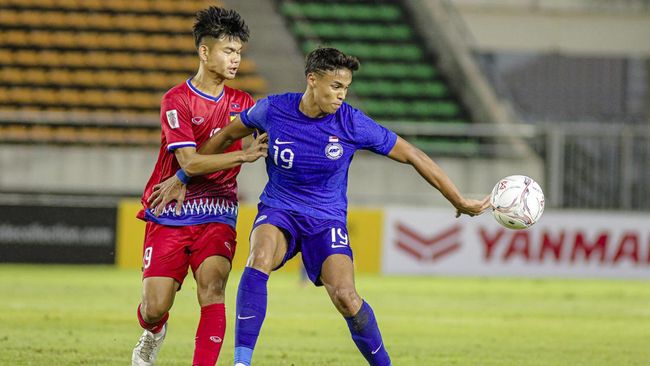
(85, 315)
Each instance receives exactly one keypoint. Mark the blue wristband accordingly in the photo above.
(184, 178)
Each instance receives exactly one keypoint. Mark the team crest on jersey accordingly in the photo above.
(235, 106)
(172, 118)
(333, 150)
(197, 120)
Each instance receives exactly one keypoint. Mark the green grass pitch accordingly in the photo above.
(85, 315)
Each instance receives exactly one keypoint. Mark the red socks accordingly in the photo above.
(209, 335)
(153, 327)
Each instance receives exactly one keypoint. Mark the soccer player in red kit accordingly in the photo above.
(200, 233)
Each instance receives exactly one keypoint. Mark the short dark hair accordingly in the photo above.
(218, 22)
(329, 59)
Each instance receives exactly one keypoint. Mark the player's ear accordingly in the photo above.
(203, 52)
(311, 79)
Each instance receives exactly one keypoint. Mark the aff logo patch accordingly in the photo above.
(172, 119)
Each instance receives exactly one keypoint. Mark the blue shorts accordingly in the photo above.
(317, 239)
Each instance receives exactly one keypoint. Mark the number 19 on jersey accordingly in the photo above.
(285, 155)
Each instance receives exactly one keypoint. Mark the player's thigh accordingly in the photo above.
(338, 273)
(268, 247)
(337, 276)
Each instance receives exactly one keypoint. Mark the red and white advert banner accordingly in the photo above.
(561, 244)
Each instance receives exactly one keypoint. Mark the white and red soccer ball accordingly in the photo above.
(517, 202)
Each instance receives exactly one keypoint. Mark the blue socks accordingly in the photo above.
(251, 310)
(366, 335)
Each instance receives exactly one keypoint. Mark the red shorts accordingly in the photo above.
(169, 250)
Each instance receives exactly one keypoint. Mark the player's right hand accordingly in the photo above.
(259, 148)
(163, 193)
(472, 207)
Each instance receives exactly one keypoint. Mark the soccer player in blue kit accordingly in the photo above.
(312, 139)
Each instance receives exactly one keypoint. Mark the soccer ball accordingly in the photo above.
(517, 202)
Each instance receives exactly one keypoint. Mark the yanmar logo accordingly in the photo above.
(428, 248)
(565, 246)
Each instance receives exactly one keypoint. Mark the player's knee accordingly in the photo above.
(261, 256)
(212, 292)
(153, 311)
(261, 261)
(347, 301)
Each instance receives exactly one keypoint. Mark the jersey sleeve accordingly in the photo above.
(255, 116)
(248, 101)
(175, 120)
(371, 135)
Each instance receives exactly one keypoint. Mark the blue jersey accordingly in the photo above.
(309, 158)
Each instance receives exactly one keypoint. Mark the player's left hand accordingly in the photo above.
(172, 189)
(472, 207)
(257, 149)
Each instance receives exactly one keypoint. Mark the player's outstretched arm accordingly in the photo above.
(193, 163)
(199, 162)
(220, 141)
(406, 153)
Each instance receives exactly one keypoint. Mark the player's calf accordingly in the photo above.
(251, 311)
(211, 278)
(365, 334)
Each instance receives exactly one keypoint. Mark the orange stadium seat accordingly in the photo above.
(254, 84)
(64, 39)
(46, 58)
(89, 21)
(9, 17)
(93, 58)
(40, 133)
(60, 77)
(94, 98)
(14, 133)
(65, 134)
(98, 56)
(90, 135)
(13, 38)
(4, 94)
(95, 20)
(92, 78)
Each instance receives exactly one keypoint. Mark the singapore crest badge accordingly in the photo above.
(333, 150)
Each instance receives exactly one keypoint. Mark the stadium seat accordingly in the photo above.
(100, 56)
(186, 7)
(374, 69)
(341, 11)
(398, 79)
(357, 31)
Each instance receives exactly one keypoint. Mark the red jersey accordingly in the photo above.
(190, 117)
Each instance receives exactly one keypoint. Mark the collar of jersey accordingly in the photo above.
(202, 94)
